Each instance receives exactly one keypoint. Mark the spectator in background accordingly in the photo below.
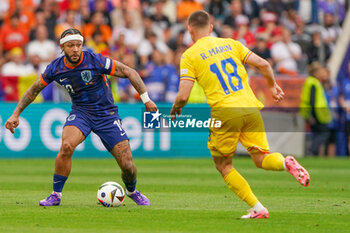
(300, 37)
(133, 34)
(121, 52)
(307, 9)
(160, 20)
(25, 9)
(226, 31)
(104, 6)
(218, 9)
(97, 44)
(332, 95)
(318, 50)
(251, 9)
(331, 30)
(126, 6)
(148, 45)
(314, 108)
(236, 9)
(51, 12)
(344, 101)
(270, 28)
(84, 12)
(261, 49)
(13, 34)
(40, 20)
(71, 20)
(276, 6)
(333, 7)
(242, 32)
(288, 20)
(16, 66)
(155, 76)
(178, 41)
(186, 7)
(285, 54)
(97, 24)
(42, 47)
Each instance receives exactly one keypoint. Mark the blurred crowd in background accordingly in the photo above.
(151, 35)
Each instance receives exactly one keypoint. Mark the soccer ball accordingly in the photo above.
(110, 194)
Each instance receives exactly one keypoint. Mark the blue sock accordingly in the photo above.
(58, 182)
(130, 187)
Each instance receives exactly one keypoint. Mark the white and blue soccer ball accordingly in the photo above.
(110, 194)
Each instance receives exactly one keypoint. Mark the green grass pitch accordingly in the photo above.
(187, 195)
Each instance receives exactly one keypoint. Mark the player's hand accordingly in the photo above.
(151, 106)
(174, 111)
(12, 123)
(277, 93)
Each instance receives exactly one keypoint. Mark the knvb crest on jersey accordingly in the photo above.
(86, 76)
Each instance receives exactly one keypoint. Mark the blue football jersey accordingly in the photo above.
(86, 83)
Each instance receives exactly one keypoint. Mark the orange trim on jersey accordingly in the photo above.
(246, 56)
(72, 67)
(190, 79)
(113, 67)
(43, 81)
(105, 79)
(259, 149)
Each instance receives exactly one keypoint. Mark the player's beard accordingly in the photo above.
(70, 60)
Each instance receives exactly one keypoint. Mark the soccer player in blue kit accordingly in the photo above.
(83, 74)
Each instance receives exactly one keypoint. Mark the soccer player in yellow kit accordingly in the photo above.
(217, 65)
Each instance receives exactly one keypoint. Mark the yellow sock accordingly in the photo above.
(273, 161)
(240, 187)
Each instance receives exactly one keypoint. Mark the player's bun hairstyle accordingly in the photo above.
(70, 31)
(199, 19)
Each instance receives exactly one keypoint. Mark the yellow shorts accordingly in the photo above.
(248, 129)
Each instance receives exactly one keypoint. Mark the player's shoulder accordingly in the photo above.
(55, 66)
(94, 58)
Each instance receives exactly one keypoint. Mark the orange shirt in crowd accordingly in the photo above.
(11, 37)
(185, 8)
(60, 28)
(26, 4)
(88, 31)
(26, 18)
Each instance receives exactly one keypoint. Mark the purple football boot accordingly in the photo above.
(139, 198)
(52, 200)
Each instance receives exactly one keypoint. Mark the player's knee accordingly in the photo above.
(67, 148)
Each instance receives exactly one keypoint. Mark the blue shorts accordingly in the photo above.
(108, 128)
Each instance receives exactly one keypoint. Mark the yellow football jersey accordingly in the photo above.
(217, 65)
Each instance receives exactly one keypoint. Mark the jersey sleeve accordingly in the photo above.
(186, 69)
(106, 65)
(46, 78)
(243, 51)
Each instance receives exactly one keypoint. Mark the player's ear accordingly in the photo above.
(211, 28)
(189, 29)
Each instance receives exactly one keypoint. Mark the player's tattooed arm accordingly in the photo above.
(124, 71)
(28, 97)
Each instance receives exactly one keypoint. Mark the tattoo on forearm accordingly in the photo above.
(29, 96)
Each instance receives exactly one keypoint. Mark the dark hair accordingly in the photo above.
(16, 15)
(70, 31)
(199, 19)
